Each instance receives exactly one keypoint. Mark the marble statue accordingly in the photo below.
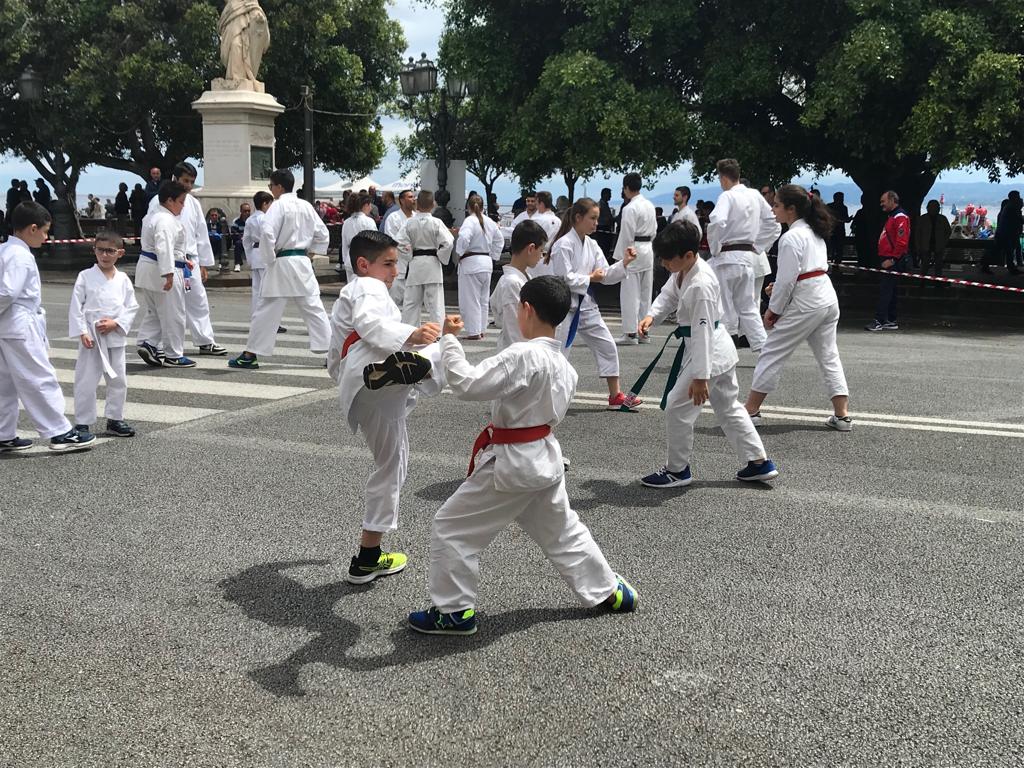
(244, 38)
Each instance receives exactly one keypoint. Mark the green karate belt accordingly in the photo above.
(292, 252)
(682, 333)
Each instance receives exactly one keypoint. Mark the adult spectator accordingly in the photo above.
(863, 238)
(493, 211)
(42, 194)
(768, 193)
(931, 236)
(441, 212)
(893, 245)
(94, 208)
(139, 206)
(659, 217)
(109, 209)
(841, 215)
(520, 204)
(13, 201)
(217, 232)
(376, 203)
(388, 206)
(683, 211)
(122, 207)
(236, 231)
(153, 185)
(562, 205)
(23, 192)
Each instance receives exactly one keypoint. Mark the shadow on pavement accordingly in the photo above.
(266, 594)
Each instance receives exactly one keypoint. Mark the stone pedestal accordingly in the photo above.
(238, 143)
(456, 185)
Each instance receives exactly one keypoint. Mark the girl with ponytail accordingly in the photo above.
(803, 305)
(478, 247)
(575, 257)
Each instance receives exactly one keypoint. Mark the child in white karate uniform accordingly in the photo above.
(478, 247)
(103, 307)
(528, 241)
(579, 259)
(26, 373)
(367, 327)
(515, 472)
(803, 306)
(705, 364)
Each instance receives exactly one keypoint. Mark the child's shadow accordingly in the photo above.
(266, 594)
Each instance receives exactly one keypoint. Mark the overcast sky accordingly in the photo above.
(423, 25)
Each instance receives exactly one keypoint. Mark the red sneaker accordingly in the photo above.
(622, 400)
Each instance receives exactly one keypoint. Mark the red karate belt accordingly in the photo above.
(808, 275)
(351, 339)
(498, 436)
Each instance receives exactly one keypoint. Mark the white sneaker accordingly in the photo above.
(757, 419)
(625, 340)
(844, 424)
(238, 268)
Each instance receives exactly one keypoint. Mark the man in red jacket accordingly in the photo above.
(893, 246)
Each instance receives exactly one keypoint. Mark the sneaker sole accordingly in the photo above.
(375, 575)
(463, 632)
(759, 478)
(623, 408)
(108, 433)
(16, 449)
(835, 427)
(165, 364)
(673, 484)
(71, 447)
(237, 367)
(398, 368)
(219, 353)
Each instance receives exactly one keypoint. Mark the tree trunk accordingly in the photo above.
(911, 180)
(570, 179)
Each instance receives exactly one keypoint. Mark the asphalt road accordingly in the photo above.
(177, 598)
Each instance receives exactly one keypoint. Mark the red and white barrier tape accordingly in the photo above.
(950, 280)
(84, 240)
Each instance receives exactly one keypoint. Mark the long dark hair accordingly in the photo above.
(580, 208)
(808, 207)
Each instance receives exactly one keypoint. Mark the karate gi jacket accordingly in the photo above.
(574, 259)
(21, 299)
(197, 236)
(291, 223)
(364, 306)
(800, 251)
(741, 215)
(94, 297)
(686, 213)
(697, 302)
(475, 239)
(505, 305)
(638, 220)
(164, 236)
(251, 238)
(358, 222)
(531, 384)
(424, 233)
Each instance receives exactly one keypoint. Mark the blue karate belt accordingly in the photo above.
(682, 333)
(574, 325)
(182, 265)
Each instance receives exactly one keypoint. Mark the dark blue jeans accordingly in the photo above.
(886, 312)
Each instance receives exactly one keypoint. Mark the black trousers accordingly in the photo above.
(886, 311)
(933, 258)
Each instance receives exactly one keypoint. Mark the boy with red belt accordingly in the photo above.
(516, 471)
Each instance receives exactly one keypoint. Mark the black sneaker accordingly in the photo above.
(282, 329)
(83, 428)
(212, 349)
(875, 326)
(178, 362)
(403, 368)
(119, 428)
(150, 355)
(15, 444)
(73, 440)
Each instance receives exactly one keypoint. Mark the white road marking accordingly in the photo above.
(157, 414)
(226, 387)
(202, 361)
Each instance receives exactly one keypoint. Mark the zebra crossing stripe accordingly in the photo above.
(199, 386)
(151, 412)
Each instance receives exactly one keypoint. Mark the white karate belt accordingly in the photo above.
(100, 342)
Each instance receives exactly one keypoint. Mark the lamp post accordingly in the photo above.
(308, 178)
(419, 78)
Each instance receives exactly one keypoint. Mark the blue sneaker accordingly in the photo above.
(758, 473)
(433, 622)
(73, 440)
(178, 362)
(15, 444)
(625, 599)
(665, 479)
(150, 355)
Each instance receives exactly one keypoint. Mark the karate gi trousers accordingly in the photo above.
(470, 520)
(429, 297)
(593, 332)
(163, 317)
(474, 298)
(197, 309)
(88, 372)
(397, 291)
(257, 284)
(681, 416)
(266, 319)
(635, 298)
(818, 329)
(27, 375)
(381, 416)
(739, 313)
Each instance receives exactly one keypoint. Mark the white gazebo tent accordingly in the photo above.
(335, 190)
(411, 181)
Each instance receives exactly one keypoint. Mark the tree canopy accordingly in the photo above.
(891, 93)
(120, 77)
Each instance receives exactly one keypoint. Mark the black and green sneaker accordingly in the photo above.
(387, 564)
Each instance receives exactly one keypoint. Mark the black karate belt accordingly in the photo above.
(643, 239)
(474, 253)
(424, 252)
(682, 333)
(739, 247)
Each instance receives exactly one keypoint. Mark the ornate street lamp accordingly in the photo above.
(30, 85)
